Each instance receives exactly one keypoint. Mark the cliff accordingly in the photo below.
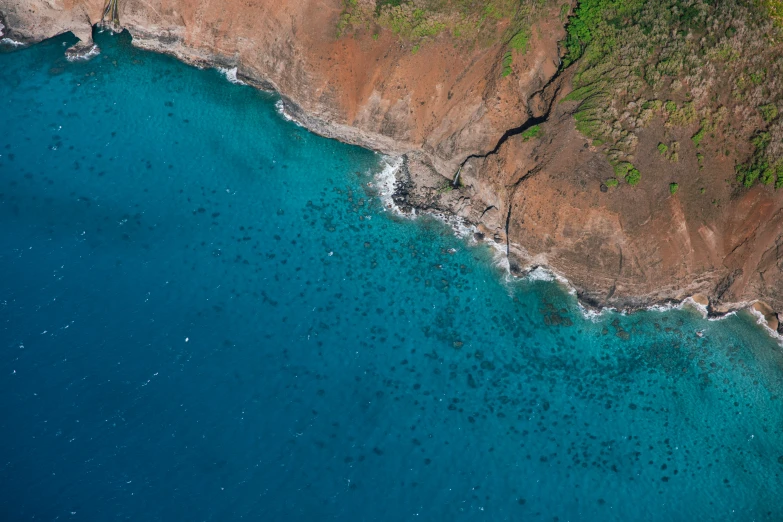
(530, 177)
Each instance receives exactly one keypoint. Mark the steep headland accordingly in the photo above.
(634, 147)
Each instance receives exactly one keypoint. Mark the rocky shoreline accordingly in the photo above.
(407, 201)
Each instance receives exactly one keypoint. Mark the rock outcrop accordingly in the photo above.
(448, 110)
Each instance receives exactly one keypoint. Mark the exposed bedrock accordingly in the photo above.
(449, 110)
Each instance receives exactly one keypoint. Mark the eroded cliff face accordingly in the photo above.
(448, 109)
(444, 101)
(633, 246)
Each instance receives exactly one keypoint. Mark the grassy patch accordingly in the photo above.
(634, 177)
(769, 112)
(508, 59)
(533, 132)
(679, 62)
(774, 10)
(625, 170)
(520, 40)
(468, 21)
(696, 138)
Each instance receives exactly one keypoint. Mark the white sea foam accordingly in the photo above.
(542, 273)
(761, 320)
(11, 42)
(667, 307)
(722, 317)
(231, 75)
(702, 309)
(457, 224)
(83, 57)
(596, 315)
(500, 258)
(385, 180)
(280, 106)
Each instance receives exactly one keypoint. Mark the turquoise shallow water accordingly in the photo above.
(205, 314)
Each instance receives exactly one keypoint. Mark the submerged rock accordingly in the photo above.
(82, 51)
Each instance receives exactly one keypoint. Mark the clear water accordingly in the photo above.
(205, 314)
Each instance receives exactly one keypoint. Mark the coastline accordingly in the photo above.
(400, 198)
(398, 203)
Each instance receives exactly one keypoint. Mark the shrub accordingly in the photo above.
(696, 138)
(757, 78)
(767, 176)
(533, 132)
(748, 174)
(633, 178)
(673, 188)
(761, 140)
(520, 40)
(769, 112)
(775, 10)
(625, 170)
(631, 54)
(674, 157)
(564, 10)
(611, 182)
(621, 170)
(663, 148)
(508, 59)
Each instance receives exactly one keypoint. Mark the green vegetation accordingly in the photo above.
(760, 167)
(673, 188)
(445, 188)
(564, 10)
(533, 132)
(696, 138)
(611, 182)
(700, 68)
(707, 125)
(625, 170)
(633, 178)
(775, 9)
(508, 59)
(471, 21)
(683, 63)
(769, 112)
(468, 22)
(520, 40)
(671, 153)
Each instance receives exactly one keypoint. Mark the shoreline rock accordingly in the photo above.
(82, 52)
(770, 316)
(405, 189)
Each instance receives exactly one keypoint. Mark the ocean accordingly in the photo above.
(207, 313)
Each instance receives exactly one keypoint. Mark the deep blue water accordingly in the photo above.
(206, 314)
